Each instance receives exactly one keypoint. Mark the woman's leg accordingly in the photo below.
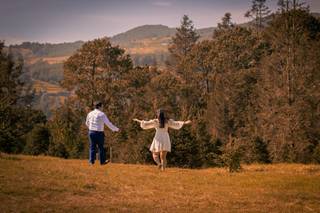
(155, 156)
(163, 157)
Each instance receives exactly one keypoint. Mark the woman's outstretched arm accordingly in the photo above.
(177, 124)
(146, 124)
(137, 120)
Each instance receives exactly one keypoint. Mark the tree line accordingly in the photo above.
(253, 94)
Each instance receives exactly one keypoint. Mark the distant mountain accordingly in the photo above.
(143, 32)
(49, 50)
(317, 15)
(153, 31)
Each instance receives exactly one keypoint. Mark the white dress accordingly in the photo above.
(161, 141)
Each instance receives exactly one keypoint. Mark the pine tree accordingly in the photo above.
(258, 12)
(226, 23)
(200, 63)
(16, 118)
(37, 141)
(67, 139)
(287, 5)
(182, 43)
(232, 154)
(185, 149)
(287, 88)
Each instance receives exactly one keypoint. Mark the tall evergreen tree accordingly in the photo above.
(16, 119)
(182, 43)
(66, 139)
(226, 22)
(258, 11)
(37, 141)
(287, 88)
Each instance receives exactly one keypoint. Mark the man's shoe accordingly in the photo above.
(106, 162)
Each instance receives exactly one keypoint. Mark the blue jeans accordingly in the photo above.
(96, 138)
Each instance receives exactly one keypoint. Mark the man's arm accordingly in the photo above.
(87, 121)
(109, 124)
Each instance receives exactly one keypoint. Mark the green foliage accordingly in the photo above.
(258, 11)
(16, 123)
(182, 43)
(226, 22)
(290, 86)
(67, 139)
(16, 117)
(232, 156)
(37, 140)
(44, 71)
(96, 69)
(261, 151)
(185, 149)
(184, 39)
(210, 148)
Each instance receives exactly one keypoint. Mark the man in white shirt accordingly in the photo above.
(95, 122)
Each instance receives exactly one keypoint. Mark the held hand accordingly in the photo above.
(187, 122)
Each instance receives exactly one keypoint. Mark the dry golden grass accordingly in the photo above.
(46, 184)
(50, 60)
(148, 46)
(32, 60)
(45, 86)
(146, 50)
(55, 60)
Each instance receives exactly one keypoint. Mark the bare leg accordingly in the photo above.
(163, 157)
(155, 156)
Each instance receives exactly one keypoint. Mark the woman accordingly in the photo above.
(161, 142)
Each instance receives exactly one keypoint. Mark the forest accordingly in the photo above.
(251, 92)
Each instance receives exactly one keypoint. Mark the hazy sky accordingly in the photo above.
(70, 20)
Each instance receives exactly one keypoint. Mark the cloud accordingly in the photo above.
(162, 3)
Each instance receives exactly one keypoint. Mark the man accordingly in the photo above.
(95, 122)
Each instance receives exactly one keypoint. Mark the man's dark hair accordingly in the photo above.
(97, 104)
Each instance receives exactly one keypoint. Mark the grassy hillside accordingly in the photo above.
(45, 184)
(49, 88)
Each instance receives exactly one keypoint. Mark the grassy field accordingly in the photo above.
(48, 87)
(45, 184)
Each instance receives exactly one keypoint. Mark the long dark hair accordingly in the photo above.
(162, 118)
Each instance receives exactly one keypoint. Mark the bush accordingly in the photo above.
(37, 141)
(232, 155)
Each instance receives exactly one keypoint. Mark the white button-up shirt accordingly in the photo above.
(96, 119)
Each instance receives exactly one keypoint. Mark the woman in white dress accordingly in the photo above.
(161, 142)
